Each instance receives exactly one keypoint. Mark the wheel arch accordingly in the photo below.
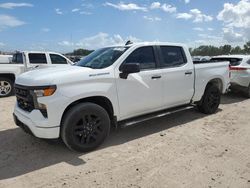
(99, 100)
(10, 76)
(217, 82)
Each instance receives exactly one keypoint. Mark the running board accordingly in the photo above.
(147, 117)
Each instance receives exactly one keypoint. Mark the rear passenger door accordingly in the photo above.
(177, 76)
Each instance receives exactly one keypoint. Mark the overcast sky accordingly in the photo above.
(63, 25)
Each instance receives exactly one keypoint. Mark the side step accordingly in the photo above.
(132, 121)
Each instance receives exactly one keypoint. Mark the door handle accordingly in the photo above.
(188, 73)
(156, 77)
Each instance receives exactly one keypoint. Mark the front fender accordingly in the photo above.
(75, 92)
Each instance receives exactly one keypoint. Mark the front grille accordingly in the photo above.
(25, 100)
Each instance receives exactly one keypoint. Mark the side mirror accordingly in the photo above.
(129, 68)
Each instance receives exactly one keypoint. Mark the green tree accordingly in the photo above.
(237, 50)
(247, 48)
(226, 49)
(81, 52)
(209, 50)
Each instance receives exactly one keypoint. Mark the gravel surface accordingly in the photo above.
(184, 149)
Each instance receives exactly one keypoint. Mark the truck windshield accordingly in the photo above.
(102, 58)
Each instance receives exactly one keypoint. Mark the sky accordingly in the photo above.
(63, 25)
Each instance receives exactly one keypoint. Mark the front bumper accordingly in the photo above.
(33, 120)
(32, 128)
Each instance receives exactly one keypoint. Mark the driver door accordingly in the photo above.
(35, 60)
(140, 92)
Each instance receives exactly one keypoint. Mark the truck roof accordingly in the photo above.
(39, 52)
(150, 43)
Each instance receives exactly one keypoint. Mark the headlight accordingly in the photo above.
(45, 91)
(42, 91)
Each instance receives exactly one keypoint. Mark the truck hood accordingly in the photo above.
(53, 75)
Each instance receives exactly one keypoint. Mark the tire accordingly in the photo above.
(6, 87)
(85, 127)
(210, 101)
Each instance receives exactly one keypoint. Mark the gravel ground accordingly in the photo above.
(184, 149)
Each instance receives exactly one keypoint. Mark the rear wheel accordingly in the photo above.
(85, 127)
(210, 100)
(6, 87)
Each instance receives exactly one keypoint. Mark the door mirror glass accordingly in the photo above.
(129, 68)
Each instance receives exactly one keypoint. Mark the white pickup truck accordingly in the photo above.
(23, 62)
(111, 85)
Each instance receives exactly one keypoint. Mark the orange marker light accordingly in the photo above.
(49, 91)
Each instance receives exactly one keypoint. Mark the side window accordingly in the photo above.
(172, 56)
(144, 56)
(36, 58)
(57, 59)
(17, 58)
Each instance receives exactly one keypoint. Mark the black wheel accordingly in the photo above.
(210, 100)
(85, 127)
(6, 87)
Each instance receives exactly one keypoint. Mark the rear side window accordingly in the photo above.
(36, 58)
(17, 58)
(57, 59)
(144, 56)
(233, 61)
(172, 56)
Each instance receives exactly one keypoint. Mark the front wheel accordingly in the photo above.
(85, 127)
(6, 87)
(210, 100)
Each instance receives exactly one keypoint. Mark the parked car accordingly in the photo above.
(240, 72)
(5, 58)
(111, 85)
(25, 61)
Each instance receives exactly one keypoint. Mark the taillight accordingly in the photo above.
(229, 67)
(237, 68)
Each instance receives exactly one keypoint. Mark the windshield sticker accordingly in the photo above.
(120, 49)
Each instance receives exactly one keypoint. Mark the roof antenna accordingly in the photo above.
(128, 42)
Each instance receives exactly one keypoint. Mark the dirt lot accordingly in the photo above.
(185, 149)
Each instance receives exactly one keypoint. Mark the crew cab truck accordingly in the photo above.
(111, 85)
(25, 61)
(240, 72)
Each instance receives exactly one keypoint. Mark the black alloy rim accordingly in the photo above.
(88, 130)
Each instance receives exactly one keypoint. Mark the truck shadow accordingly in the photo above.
(233, 97)
(21, 153)
(156, 125)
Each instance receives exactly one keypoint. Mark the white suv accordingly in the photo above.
(240, 72)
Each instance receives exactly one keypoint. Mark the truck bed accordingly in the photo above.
(205, 71)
